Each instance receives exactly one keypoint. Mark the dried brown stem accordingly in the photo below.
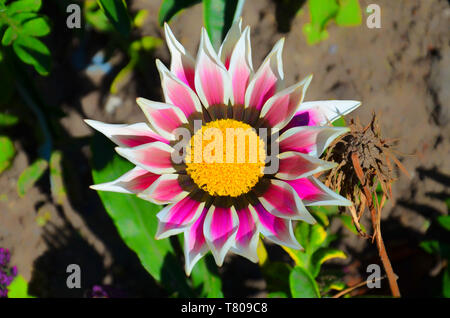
(392, 278)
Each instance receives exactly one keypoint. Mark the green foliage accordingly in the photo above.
(7, 120)
(56, 177)
(30, 176)
(169, 8)
(218, 15)
(18, 288)
(303, 284)
(7, 153)
(22, 25)
(117, 13)
(344, 12)
(441, 248)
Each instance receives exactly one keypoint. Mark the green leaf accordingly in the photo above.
(317, 237)
(321, 256)
(7, 152)
(169, 8)
(206, 278)
(32, 51)
(18, 288)
(117, 13)
(446, 283)
(444, 221)
(276, 275)
(23, 6)
(302, 284)
(36, 27)
(30, 175)
(277, 295)
(56, 177)
(340, 122)
(9, 36)
(8, 119)
(217, 17)
(95, 16)
(348, 223)
(349, 13)
(136, 220)
(436, 247)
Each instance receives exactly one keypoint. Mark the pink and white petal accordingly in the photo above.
(134, 181)
(228, 44)
(174, 218)
(267, 79)
(182, 64)
(275, 229)
(154, 157)
(241, 67)
(280, 108)
(281, 200)
(166, 189)
(294, 165)
(326, 111)
(126, 135)
(212, 81)
(195, 246)
(314, 192)
(220, 229)
(312, 140)
(176, 92)
(247, 235)
(164, 118)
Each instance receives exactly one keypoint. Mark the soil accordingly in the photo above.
(401, 71)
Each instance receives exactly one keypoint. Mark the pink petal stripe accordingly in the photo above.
(281, 200)
(196, 239)
(247, 227)
(264, 87)
(294, 165)
(163, 117)
(165, 190)
(267, 78)
(241, 67)
(212, 81)
(226, 49)
(221, 226)
(127, 135)
(134, 181)
(155, 157)
(181, 64)
(276, 229)
(182, 213)
(176, 92)
(280, 108)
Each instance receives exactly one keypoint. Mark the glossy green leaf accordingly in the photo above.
(30, 175)
(117, 13)
(218, 16)
(95, 17)
(444, 221)
(7, 152)
(169, 8)
(136, 220)
(302, 284)
(349, 13)
(18, 288)
(23, 6)
(36, 27)
(321, 256)
(32, 51)
(276, 275)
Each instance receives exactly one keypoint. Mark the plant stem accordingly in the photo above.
(392, 278)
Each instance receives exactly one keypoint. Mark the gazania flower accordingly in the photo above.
(224, 206)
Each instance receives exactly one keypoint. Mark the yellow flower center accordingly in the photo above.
(225, 157)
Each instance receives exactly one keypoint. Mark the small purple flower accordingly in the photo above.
(7, 273)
